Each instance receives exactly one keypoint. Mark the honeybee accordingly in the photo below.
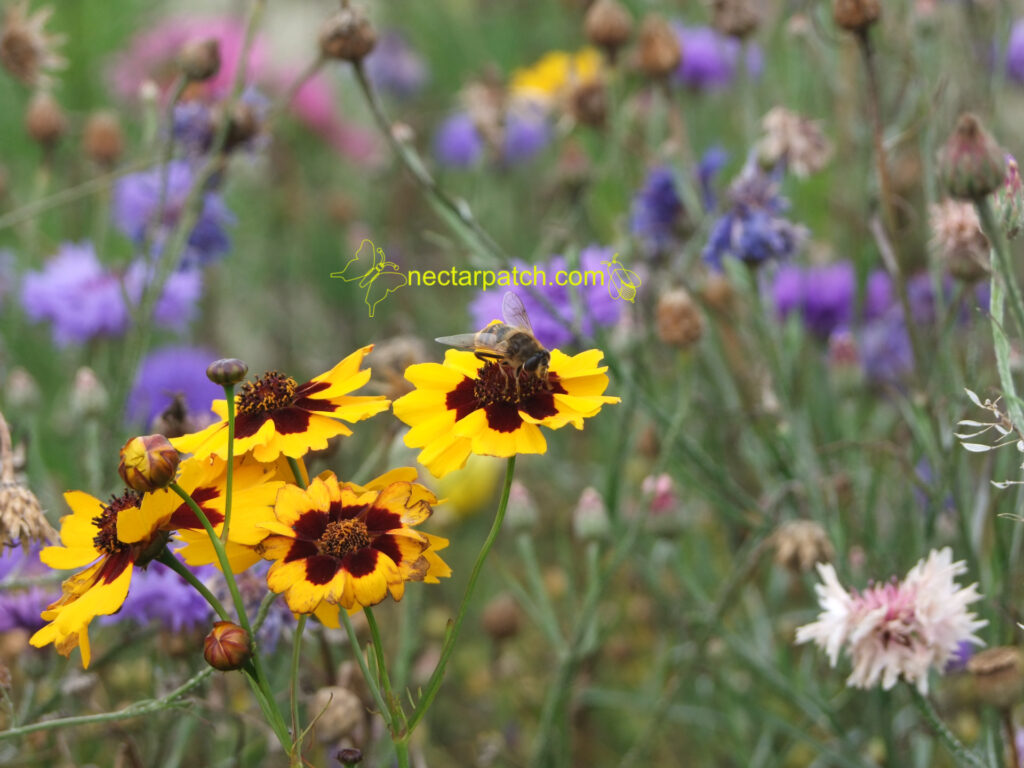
(511, 342)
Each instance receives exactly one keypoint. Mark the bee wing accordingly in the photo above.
(474, 341)
(515, 313)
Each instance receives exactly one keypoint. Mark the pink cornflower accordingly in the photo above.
(896, 629)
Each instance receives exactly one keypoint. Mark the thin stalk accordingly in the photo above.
(1005, 266)
(434, 684)
(229, 394)
(1011, 736)
(962, 754)
(179, 568)
(296, 756)
(394, 707)
(297, 472)
(371, 682)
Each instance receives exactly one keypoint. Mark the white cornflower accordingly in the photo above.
(897, 629)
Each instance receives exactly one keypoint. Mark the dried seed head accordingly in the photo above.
(44, 120)
(794, 140)
(88, 395)
(959, 241)
(26, 51)
(718, 293)
(21, 518)
(148, 463)
(199, 60)
(735, 18)
(608, 25)
(998, 675)
(678, 320)
(588, 103)
(590, 518)
(348, 35)
(22, 392)
(350, 756)
(658, 53)
(103, 139)
(389, 360)
(856, 15)
(227, 646)
(971, 164)
(799, 544)
(502, 617)
(341, 713)
(522, 512)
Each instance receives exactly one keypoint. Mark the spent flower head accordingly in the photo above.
(27, 51)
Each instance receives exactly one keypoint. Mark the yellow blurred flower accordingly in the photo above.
(554, 73)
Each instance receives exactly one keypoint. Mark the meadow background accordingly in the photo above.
(641, 603)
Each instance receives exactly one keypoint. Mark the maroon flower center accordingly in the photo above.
(106, 540)
(343, 537)
(269, 392)
(501, 384)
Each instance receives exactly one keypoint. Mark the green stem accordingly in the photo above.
(137, 709)
(962, 754)
(229, 394)
(179, 568)
(998, 243)
(434, 684)
(397, 715)
(296, 755)
(361, 660)
(297, 472)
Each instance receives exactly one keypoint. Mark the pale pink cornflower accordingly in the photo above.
(896, 630)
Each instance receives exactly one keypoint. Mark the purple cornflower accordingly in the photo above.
(20, 609)
(753, 227)
(824, 296)
(878, 298)
(555, 330)
(194, 127)
(83, 300)
(395, 67)
(657, 214)
(458, 143)
(526, 133)
(885, 351)
(1015, 53)
(710, 59)
(136, 206)
(711, 162)
(169, 372)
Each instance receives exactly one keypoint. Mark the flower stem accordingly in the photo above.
(394, 707)
(962, 754)
(300, 479)
(360, 659)
(434, 684)
(296, 755)
(229, 393)
(995, 238)
(178, 567)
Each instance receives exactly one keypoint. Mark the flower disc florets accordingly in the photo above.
(269, 392)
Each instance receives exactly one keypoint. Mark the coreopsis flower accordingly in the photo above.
(794, 141)
(550, 78)
(896, 630)
(343, 545)
(26, 50)
(276, 415)
(466, 405)
(90, 537)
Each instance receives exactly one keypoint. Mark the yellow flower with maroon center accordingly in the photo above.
(277, 416)
(340, 544)
(90, 535)
(466, 405)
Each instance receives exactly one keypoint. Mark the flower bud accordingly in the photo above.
(341, 712)
(227, 646)
(22, 392)
(148, 463)
(735, 18)
(959, 241)
(608, 25)
(199, 60)
(659, 53)
(522, 512)
(226, 371)
(502, 617)
(971, 164)
(348, 35)
(718, 293)
(855, 15)
(88, 395)
(677, 319)
(103, 140)
(799, 544)
(1009, 201)
(590, 518)
(998, 675)
(350, 756)
(44, 120)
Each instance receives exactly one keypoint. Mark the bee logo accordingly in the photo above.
(623, 282)
(379, 276)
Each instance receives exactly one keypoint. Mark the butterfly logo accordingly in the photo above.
(374, 272)
(623, 282)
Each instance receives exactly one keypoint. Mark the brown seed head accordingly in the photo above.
(998, 675)
(348, 35)
(199, 60)
(735, 18)
(677, 319)
(799, 544)
(971, 163)
(502, 617)
(21, 518)
(103, 139)
(588, 103)
(658, 53)
(608, 25)
(856, 15)
(26, 51)
(44, 120)
(959, 241)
